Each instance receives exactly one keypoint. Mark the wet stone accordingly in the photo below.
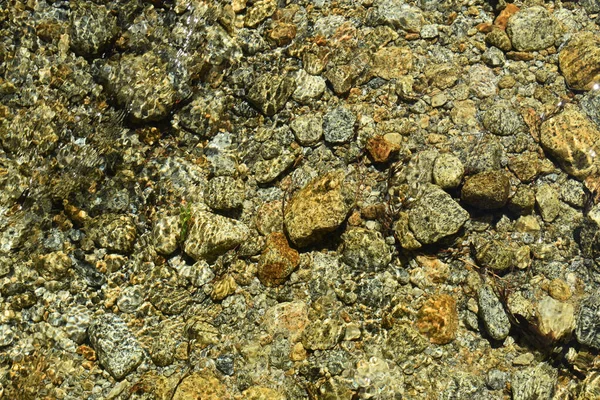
(525, 166)
(169, 300)
(262, 393)
(270, 92)
(493, 57)
(319, 208)
(266, 171)
(277, 261)
(211, 235)
(142, 85)
(492, 313)
(308, 129)
(435, 215)
(572, 193)
(167, 230)
(556, 318)
(118, 350)
(523, 201)
(224, 193)
(114, 232)
(486, 190)
(201, 385)
(54, 265)
(404, 340)
(572, 139)
(322, 334)
(438, 319)
(338, 125)
(93, 29)
(587, 330)
(579, 61)
(499, 39)
(448, 171)
(381, 149)
(391, 62)
(547, 202)
(503, 120)
(399, 15)
(365, 249)
(260, 11)
(309, 87)
(534, 382)
(532, 29)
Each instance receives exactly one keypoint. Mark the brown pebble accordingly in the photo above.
(438, 319)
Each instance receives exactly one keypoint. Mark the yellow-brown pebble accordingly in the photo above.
(559, 290)
(438, 319)
(277, 261)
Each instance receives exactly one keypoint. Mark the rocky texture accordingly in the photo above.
(486, 190)
(572, 139)
(579, 61)
(201, 386)
(448, 171)
(270, 92)
(532, 29)
(93, 29)
(492, 314)
(319, 208)
(365, 250)
(338, 125)
(210, 235)
(118, 350)
(435, 215)
(224, 193)
(277, 261)
(438, 319)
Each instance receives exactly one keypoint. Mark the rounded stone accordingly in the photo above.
(308, 129)
(438, 319)
(487, 190)
(503, 120)
(492, 313)
(532, 29)
(448, 171)
(93, 28)
(338, 125)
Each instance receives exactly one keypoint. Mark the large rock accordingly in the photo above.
(435, 215)
(579, 61)
(532, 29)
(211, 235)
(319, 208)
(118, 350)
(572, 139)
(93, 28)
(201, 385)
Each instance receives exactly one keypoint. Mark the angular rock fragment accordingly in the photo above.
(118, 350)
(587, 330)
(211, 235)
(270, 92)
(365, 249)
(579, 61)
(319, 208)
(438, 319)
(492, 313)
(486, 190)
(93, 28)
(277, 261)
(435, 215)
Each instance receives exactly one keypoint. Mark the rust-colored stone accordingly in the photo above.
(277, 261)
(502, 19)
(438, 319)
(380, 149)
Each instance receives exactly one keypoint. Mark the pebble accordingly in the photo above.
(211, 235)
(534, 382)
(435, 215)
(365, 250)
(556, 318)
(277, 260)
(503, 120)
(92, 29)
(486, 190)
(338, 125)
(547, 202)
(114, 232)
(492, 313)
(288, 319)
(381, 149)
(532, 29)
(587, 330)
(391, 62)
(308, 129)
(448, 171)
(310, 87)
(319, 208)
(523, 201)
(201, 385)
(166, 232)
(262, 393)
(322, 334)
(438, 319)
(118, 350)
(224, 193)
(270, 92)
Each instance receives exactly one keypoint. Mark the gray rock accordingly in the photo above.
(492, 313)
(93, 28)
(493, 57)
(224, 193)
(400, 15)
(591, 6)
(486, 190)
(365, 249)
(523, 201)
(338, 125)
(503, 120)
(532, 29)
(590, 105)
(211, 235)
(270, 92)
(266, 171)
(548, 203)
(435, 215)
(448, 171)
(572, 193)
(587, 330)
(308, 129)
(118, 350)
(496, 379)
(534, 383)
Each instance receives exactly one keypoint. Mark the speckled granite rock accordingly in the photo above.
(211, 235)
(493, 315)
(435, 215)
(579, 60)
(572, 139)
(114, 232)
(167, 230)
(117, 349)
(365, 250)
(201, 385)
(588, 329)
(319, 208)
(532, 29)
(270, 92)
(224, 193)
(534, 382)
(448, 171)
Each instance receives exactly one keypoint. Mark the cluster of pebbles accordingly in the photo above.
(294, 199)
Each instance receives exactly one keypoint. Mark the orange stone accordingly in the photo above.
(380, 149)
(438, 319)
(502, 19)
(277, 261)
